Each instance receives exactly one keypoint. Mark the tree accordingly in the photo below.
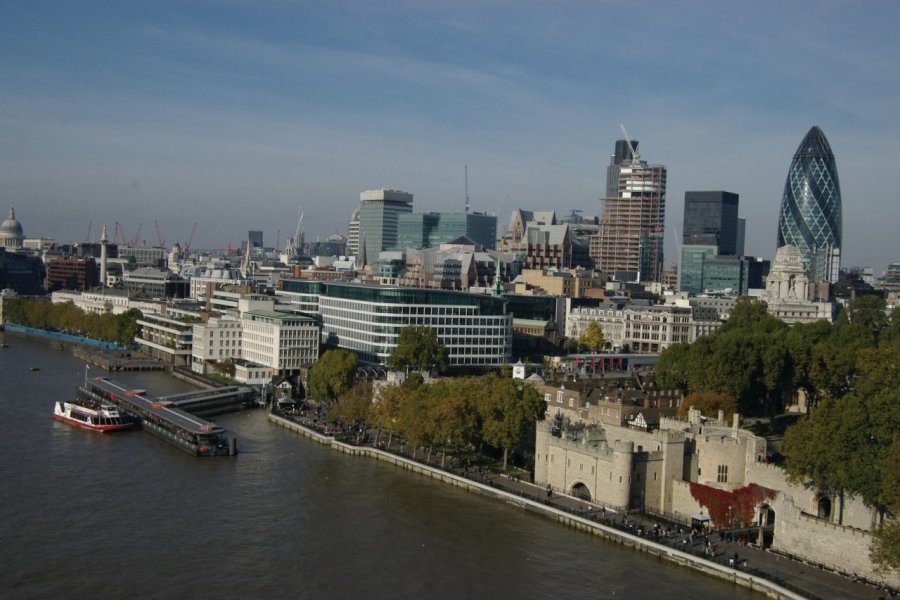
(592, 339)
(418, 349)
(456, 419)
(709, 404)
(672, 368)
(353, 406)
(332, 375)
(886, 545)
(509, 410)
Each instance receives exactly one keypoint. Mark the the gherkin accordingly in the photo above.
(811, 208)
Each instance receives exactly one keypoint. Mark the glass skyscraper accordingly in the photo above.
(811, 208)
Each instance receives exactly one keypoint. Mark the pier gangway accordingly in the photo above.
(163, 418)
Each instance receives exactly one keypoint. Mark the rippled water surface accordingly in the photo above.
(125, 515)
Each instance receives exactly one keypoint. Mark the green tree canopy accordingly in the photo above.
(418, 349)
(510, 409)
(332, 375)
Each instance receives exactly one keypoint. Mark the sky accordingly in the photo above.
(231, 114)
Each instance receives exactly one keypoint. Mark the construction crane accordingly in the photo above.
(634, 155)
(502, 202)
(119, 235)
(574, 215)
(137, 236)
(162, 242)
(295, 245)
(87, 236)
(187, 244)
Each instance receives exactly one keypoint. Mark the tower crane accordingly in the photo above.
(119, 235)
(137, 236)
(187, 244)
(162, 242)
(297, 240)
(87, 236)
(634, 155)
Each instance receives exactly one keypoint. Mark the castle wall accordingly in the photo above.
(683, 505)
(840, 548)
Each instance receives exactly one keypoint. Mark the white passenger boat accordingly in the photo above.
(92, 416)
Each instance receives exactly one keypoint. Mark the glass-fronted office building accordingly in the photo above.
(430, 230)
(475, 328)
(811, 216)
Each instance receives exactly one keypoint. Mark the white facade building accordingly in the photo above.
(368, 319)
(106, 301)
(282, 341)
(644, 328)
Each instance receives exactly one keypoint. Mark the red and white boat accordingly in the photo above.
(92, 416)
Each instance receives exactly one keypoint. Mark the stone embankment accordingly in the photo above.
(486, 487)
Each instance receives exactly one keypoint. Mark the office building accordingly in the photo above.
(475, 328)
(148, 282)
(378, 214)
(712, 242)
(255, 238)
(70, 273)
(810, 217)
(430, 230)
(629, 244)
(711, 219)
(22, 273)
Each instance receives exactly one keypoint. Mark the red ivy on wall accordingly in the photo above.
(734, 507)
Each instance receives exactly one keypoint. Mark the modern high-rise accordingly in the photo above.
(810, 216)
(629, 245)
(378, 212)
(416, 230)
(711, 219)
(353, 233)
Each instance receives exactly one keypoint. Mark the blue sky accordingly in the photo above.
(232, 113)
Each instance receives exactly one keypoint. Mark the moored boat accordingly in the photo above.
(88, 415)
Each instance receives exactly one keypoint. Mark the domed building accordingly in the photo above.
(11, 234)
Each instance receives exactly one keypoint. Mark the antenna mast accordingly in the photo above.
(467, 188)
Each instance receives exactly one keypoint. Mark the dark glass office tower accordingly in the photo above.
(811, 208)
(711, 219)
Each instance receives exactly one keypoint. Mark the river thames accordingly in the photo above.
(85, 515)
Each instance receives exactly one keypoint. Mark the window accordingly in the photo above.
(722, 476)
(559, 396)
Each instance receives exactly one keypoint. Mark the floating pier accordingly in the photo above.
(119, 360)
(167, 417)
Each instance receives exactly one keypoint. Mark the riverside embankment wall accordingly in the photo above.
(638, 543)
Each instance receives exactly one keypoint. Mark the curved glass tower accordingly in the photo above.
(811, 208)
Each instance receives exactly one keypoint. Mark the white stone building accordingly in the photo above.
(787, 295)
(643, 328)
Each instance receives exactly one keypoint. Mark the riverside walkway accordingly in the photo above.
(801, 578)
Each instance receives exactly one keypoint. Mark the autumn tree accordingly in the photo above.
(592, 339)
(709, 404)
(353, 406)
(332, 375)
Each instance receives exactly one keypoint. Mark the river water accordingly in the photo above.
(125, 515)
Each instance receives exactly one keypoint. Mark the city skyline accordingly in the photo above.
(231, 115)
